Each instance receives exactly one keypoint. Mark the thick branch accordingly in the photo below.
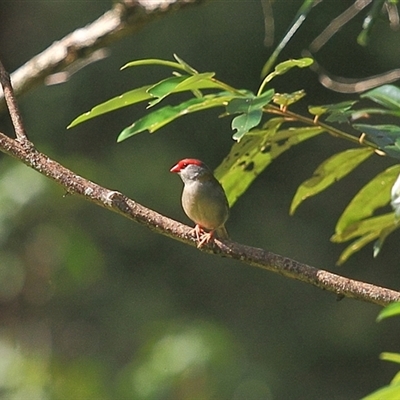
(121, 204)
(88, 44)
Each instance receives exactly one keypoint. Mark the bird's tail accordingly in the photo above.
(222, 233)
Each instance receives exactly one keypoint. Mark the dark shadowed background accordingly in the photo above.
(93, 306)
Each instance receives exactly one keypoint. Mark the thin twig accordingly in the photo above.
(12, 105)
(71, 53)
(316, 122)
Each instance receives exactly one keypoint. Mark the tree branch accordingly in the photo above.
(12, 104)
(89, 44)
(119, 203)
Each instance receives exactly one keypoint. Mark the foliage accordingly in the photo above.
(257, 146)
(391, 391)
(93, 307)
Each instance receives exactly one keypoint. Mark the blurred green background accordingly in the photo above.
(93, 306)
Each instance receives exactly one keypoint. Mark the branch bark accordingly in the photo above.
(89, 44)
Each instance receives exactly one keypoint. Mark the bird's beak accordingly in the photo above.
(175, 168)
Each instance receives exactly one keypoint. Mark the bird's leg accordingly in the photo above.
(202, 236)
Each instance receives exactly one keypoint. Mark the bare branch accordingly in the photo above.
(12, 105)
(86, 45)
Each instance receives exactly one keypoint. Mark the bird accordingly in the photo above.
(203, 200)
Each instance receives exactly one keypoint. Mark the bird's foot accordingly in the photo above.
(202, 236)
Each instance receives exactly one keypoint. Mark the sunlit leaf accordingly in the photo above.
(373, 195)
(155, 61)
(391, 392)
(193, 82)
(389, 311)
(382, 237)
(244, 122)
(250, 108)
(124, 100)
(286, 99)
(185, 65)
(330, 171)
(162, 89)
(249, 157)
(285, 66)
(137, 96)
(177, 84)
(357, 245)
(157, 119)
(393, 357)
(367, 230)
(386, 137)
(317, 110)
(386, 95)
(396, 379)
(373, 225)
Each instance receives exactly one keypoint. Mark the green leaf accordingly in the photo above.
(249, 157)
(199, 81)
(386, 137)
(244, 122)
(185, 65)
(177, 84)
(250, 107)
(391, 392)
(155, 61)
(384, 233)
(393, 357)
(124, 100)
(367, 229)
(367, 226)
(396, 378)
(373, 195)
(339, 112)
(330, 171)
(249, 102)
(366, 112)
(286, 99)
(162, 89)
(389, 311)
(141, 94)
(386, 95)
(157, 119)
(285, 66)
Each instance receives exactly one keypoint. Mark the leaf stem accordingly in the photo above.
(315, 122)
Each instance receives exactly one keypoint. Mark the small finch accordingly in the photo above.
(203, 200)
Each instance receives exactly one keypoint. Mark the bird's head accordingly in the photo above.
(191, 169)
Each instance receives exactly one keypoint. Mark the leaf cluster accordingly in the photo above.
(391, 391)
(264, 128)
